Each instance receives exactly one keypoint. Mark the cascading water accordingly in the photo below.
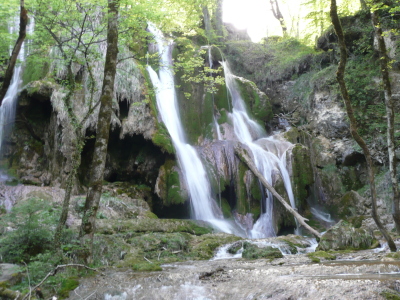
(203, 205)
(269, 155)
(8, 106)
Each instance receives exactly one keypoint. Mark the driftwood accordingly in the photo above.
(241, 153)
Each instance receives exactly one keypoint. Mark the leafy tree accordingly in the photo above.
(32, 223)
(390, 112)
(75, 31)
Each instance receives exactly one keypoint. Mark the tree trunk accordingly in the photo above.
(241, 153)
(353, 123)
(23, 21)
(278, 15)
(75, 163)
(102, 133)
(384, 64)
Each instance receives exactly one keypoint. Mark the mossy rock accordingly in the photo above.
(303, 176)
(343, 236)
(256, 101)
(203, 247)
(168, 185)
(162, 139)
(251, 251)
(318, 255)
(235, 247)
(151, 225)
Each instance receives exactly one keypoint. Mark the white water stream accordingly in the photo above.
(203, 205)
(8, 106)
(269, 155)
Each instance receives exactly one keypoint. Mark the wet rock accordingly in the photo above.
(343, 236)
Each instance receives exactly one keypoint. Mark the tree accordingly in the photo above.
(353, 123)
(23, 21)
(278, 15)
(390, 113)
(71, 29)
(102, 132)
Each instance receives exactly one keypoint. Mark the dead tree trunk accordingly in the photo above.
(278, 15)
(23, 21)
(241, 153)
(387, 88)
(353, 123)
(102, 133)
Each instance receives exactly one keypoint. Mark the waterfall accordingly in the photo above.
(269, 155)
(204, 207)
(8, 106)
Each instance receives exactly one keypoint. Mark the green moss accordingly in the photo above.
(257, 102)
(226, 209)
(356, 221)
(203, 247)
(395, 255)
(221, 99)
(169, 184)
(303, 175)
(162, 139)
(150, 215)
(318, 255)
(235, 247)
(390, 295)
(68, 285)
(251, 251)
(242, 204)
(146, 267)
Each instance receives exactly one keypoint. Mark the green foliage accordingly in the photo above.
(67, 285)
(365, 95)
(33, 221)
(190, 61)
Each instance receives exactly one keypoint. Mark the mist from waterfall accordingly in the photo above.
(203, 205)
(269, 155)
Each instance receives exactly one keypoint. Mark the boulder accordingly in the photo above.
(343, 236)
(251, 251)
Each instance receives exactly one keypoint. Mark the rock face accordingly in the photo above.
(344, 236)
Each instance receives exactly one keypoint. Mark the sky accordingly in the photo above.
(257, 17)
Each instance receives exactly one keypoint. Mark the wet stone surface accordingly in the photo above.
(355, 275)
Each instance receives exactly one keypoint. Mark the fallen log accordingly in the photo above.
(244, 157)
